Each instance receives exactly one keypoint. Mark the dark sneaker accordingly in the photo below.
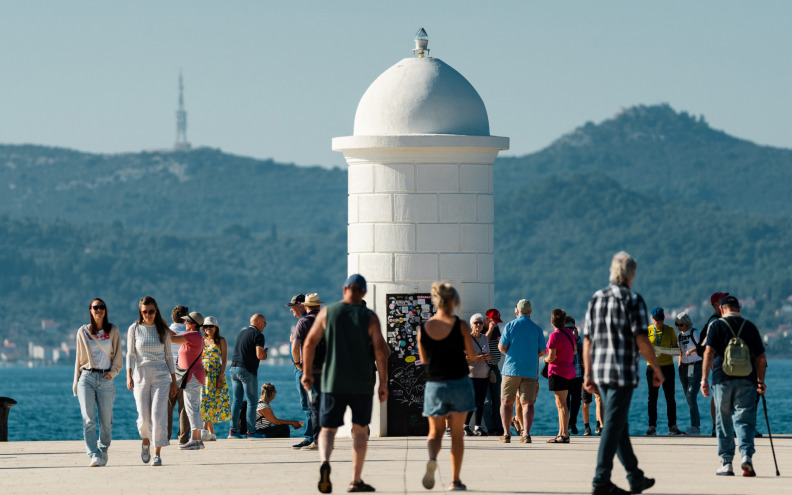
(651, 431)
(587, 432)
(609, 490)
(525, 439)
(428, 479)
(505, 438)
(598, 429)
(645, 484)
(573, 429)
(234, 435)
(457, 486)
(468, 431)
(302, 444)
(673, 430)
(324, 478)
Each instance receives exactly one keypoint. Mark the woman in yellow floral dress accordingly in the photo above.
(215, 400)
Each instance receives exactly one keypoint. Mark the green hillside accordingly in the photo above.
(665, 154)
(699, 209)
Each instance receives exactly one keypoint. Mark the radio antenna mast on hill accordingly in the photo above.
(181, 121)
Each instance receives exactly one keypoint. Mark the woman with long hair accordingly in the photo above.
(151, 376)
(267, 423)
(215, 399)
(561, 350)
(97, 362)
(446, 347)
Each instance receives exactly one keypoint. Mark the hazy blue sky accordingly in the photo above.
(280, 79)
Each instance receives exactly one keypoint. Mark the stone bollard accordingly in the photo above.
(5, 407)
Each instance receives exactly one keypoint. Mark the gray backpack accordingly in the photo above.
(737, 356)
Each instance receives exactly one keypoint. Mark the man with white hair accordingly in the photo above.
(616, 331)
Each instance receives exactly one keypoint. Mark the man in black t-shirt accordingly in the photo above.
(701, 346)
(248, 351)
(735, 396)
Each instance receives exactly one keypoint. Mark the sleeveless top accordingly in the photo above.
(349, 360)
(446, 357)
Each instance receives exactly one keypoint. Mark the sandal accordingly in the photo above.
(360, 486)
(565, 439)
(556, 439)
(516, 427)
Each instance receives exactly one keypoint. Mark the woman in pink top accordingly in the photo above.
(561, 351)
(191, 359)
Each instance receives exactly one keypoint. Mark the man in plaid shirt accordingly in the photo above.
(615, 332)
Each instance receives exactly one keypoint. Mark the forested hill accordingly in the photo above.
(664, 154)
(199, 191)
(699, 209)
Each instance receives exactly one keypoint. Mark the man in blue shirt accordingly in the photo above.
(522, 343)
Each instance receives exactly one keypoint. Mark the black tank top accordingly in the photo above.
(446, 357)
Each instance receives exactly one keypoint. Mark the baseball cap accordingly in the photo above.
(495, 315)
(356, 279)
(658, 313)
(298, 299)
(730, 301)
(717, 297)
(524, 306)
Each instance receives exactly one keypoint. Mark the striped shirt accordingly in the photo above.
(494, 352)
(615, 316)
(144, 347)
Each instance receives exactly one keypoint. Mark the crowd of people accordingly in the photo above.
(479, 380)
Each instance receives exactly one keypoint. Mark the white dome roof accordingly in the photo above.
(421, 96)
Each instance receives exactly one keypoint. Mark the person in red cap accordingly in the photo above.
(700, 347)
(492, 417)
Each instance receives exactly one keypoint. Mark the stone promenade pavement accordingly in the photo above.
(394, 465)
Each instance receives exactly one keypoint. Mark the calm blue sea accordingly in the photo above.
(46, 409)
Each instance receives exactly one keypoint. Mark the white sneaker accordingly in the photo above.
(725, 470)
(96, 461)
(145, 454)
(747, 467)
(212, 437)
(310, 446)
(103, 458)
(191, 445)
(157, 460)
(693, 431)
(205, 435)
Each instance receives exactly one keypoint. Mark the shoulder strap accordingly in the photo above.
(568, 338)
(90, 335)
(730, 328)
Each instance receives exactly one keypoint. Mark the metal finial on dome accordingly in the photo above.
(421, 43)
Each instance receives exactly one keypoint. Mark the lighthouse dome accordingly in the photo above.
(421, 96)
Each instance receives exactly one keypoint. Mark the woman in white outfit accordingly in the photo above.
(153, 380)
(191, 361)
(97, 361)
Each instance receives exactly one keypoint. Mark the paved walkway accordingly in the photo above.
(394, 465)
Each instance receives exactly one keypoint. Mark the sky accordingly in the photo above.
(279, 80)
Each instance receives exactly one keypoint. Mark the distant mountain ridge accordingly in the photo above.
(701, 211)
(662, 153)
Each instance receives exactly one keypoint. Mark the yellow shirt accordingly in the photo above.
(664, 337)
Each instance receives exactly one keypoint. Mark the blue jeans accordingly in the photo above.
(95, 392)
(243, 383)
(691, 386)
(735, 412)
(304, 405)
(492, 415)
(615, 438)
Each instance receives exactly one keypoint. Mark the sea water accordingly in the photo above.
(47, 410)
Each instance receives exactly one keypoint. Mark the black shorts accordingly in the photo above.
(333, 406)
(559, 383)
(585, 397)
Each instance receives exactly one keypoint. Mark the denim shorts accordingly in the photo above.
(449, 396)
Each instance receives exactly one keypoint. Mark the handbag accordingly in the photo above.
(546, 368)
(182, 375)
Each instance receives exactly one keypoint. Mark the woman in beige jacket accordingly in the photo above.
(98, 360)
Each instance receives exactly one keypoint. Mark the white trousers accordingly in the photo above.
(152, 386)
(192, 403)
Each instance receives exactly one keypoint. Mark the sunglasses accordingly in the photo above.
(478, 322)
(99, 307)
(149, 312)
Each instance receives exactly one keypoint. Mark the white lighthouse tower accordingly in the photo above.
(421, 188)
